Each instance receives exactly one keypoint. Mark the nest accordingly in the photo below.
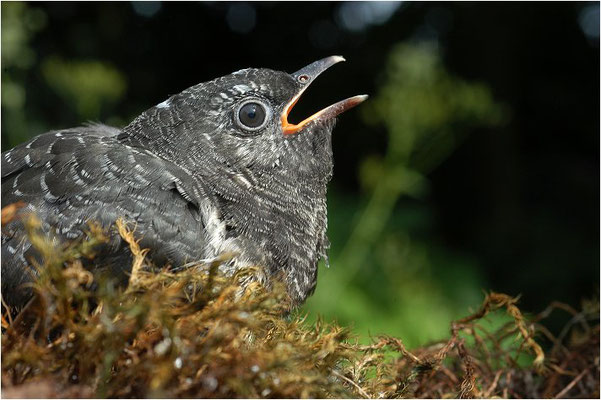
(199, 333)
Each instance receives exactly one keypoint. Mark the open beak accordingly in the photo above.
(305, 77)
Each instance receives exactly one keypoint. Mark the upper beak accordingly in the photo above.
(305, 77)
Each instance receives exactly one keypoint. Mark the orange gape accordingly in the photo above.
(327, 112)
(287, 127)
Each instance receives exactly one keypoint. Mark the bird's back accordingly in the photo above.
(70, 177)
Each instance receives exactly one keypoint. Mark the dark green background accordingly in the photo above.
(474, 166)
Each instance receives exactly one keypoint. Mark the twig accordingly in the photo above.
(468, 385)
(557, 346)
(449, 374)
(8, 313)
(562, 371)
(442, 354)
(361, 391)
(554, 305)
(578, 318)
(134, 246)
(401, 348)
(492, 387)
(507, 384)
(570, 385)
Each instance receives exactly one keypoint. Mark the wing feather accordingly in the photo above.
(69, 178)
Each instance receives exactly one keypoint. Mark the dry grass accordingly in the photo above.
(197, 333)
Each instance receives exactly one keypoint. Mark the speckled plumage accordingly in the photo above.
(194, 182)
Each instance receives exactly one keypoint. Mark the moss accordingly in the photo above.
(198, 333)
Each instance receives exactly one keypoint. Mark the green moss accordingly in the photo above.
(197, 333)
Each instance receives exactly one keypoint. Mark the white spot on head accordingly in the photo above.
(165, 104)
(241, 88)
(240, 71)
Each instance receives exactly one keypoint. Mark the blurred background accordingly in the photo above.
(473, 167)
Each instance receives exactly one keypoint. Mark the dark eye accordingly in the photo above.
(252, 115)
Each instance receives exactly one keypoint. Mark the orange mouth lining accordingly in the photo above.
(289, 128)
(328, 112)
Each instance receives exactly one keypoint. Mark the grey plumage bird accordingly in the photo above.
(216, 168)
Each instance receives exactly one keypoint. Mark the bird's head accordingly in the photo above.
(241, 121)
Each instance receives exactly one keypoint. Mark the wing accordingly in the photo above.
(71, 177)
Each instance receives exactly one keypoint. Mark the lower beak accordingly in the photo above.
(305, 77)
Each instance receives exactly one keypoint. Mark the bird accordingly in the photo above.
(217, 168)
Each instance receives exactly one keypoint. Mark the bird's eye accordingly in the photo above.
(252, 115)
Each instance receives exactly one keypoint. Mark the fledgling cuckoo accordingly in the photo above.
(216, 168)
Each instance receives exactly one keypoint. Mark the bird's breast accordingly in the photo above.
(280, 228)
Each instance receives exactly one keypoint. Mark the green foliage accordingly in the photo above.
(88, 88)
(19, 24)
(85, 85)
(425, 109)
(385, 278)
